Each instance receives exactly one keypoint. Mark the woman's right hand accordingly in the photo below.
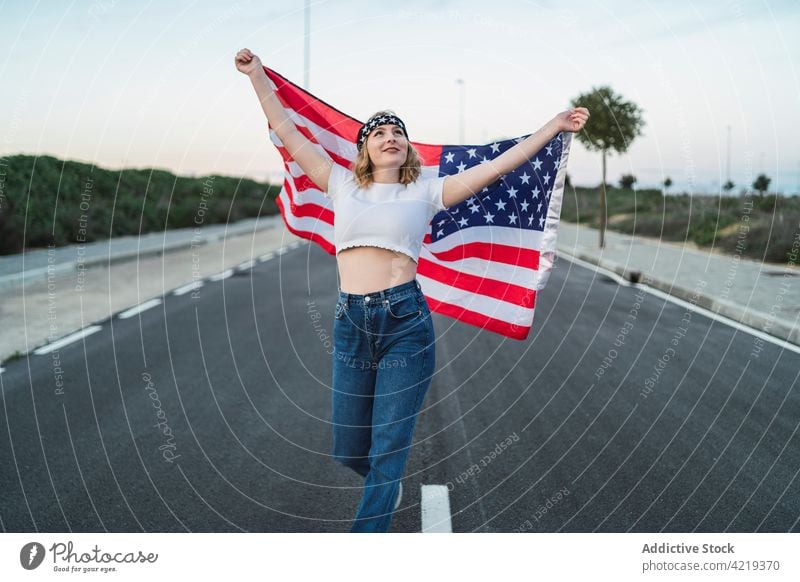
(247, 62)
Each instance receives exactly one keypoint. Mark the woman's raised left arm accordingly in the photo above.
(459, 187)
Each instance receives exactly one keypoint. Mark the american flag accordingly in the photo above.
(483, 260)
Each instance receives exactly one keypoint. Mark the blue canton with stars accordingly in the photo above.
(517, 200)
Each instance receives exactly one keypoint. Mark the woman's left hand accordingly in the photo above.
(572, 120)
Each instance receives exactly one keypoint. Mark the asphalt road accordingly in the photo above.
(211, 412)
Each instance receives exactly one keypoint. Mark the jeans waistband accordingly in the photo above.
(390, 293)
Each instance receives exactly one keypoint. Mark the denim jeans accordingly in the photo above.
(383, 361)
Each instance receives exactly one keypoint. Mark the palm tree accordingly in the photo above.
(667, 184)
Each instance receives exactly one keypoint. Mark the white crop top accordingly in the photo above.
(390, 216)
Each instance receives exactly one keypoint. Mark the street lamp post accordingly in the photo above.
(460, 82)
(728, 170)
(307, 53)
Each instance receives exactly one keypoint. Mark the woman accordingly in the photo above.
(384, 354)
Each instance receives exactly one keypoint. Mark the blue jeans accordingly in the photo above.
(383, 360)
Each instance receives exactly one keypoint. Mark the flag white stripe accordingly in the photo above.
(487, 234)
(488, 306)
(297, 170)
(310, 224)
(478, 267)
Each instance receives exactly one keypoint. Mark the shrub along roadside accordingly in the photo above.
(760, 228)
(50, 201)
(44, 200)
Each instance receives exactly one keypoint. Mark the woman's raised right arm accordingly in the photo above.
(316, 166)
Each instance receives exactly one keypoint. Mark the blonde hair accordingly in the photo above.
(362, 167)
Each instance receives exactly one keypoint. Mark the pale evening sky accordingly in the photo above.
(137, 84)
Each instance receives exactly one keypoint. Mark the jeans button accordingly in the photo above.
(366, 298)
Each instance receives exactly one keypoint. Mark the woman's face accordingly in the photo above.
(387, 146)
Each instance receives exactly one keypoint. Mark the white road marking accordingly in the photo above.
(686, 305)
(73, 337)
(2, 369)
(436, 509)
(246, 265)
(139, 308)
(611, 274)
(266, 257)
(220, 276)
(727, 321)
(186, 288)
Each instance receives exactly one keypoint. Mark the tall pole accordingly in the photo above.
(728, 171)
(307, 56)
(461, 109)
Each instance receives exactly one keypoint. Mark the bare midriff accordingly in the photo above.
(367, 269)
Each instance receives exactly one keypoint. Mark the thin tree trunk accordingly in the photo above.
(603, 204)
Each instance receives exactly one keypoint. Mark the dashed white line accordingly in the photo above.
(220, 276)
(266, 257)
(436, 509)
(73, 337)
(2, 369)
(186, 288)
(246, 265)
(139, 308)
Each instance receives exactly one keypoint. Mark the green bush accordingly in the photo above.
(43, 197)
(772, 221)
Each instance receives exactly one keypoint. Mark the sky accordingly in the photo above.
(148, 84)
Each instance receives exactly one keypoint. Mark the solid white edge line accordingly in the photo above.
(73, 337)
(726, 320)
(685, 304)
(435, 506)
(139, 308)
(190, 287)
(621, 280)
(220, 276)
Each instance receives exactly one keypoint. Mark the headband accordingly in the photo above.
(375, 122)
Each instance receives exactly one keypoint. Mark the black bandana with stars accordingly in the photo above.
(375, 122)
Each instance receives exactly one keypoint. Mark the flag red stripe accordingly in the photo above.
(430, 154)
(477, 319)
(311, 235)
(479, 285)
(307, 209)
(307, 106)
(336, 158)
(516, 256)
